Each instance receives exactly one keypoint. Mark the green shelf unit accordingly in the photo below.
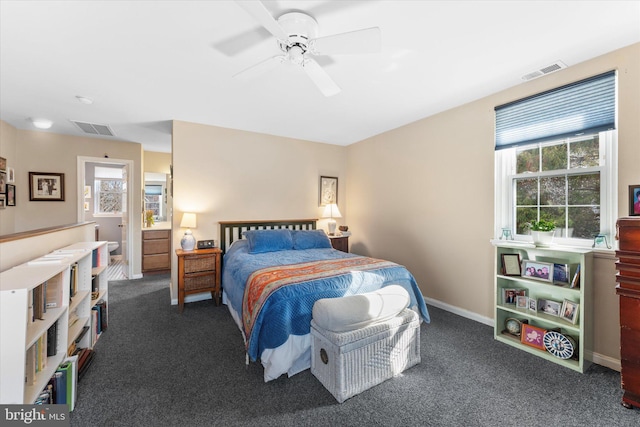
(581, 331)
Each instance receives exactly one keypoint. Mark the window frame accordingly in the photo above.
(96, 191)
(505, 179)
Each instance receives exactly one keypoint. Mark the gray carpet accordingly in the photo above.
(155, 367)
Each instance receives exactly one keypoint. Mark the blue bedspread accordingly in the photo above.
(288, 311)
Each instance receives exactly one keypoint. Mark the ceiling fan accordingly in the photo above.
(296, 34)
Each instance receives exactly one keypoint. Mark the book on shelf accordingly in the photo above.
(39, 301)
(52, 340)
(58, 384)
(70, 364)
(104, 314)
(85, 357)
(46, 396)
(73, 280)
(53, 296)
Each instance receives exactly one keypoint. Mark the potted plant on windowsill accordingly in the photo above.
(542, 232)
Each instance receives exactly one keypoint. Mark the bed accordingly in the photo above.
(274, 271)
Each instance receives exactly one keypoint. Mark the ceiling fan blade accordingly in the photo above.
(260, 13)
(320, 77)
(260, 67)
(367, 40)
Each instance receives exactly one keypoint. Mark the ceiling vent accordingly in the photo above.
(94, 128)
(551, 68)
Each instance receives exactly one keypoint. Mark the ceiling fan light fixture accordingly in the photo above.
(42, 123)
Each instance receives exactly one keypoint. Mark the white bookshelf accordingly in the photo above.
(19, 332)
(581, 331)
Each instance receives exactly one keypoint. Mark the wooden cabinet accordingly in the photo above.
(549, 318)
(628, 289)
(340, 243)
(156, 247)
(199, 271)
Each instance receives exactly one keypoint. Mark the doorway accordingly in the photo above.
(113, 227)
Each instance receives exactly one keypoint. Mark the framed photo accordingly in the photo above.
(634, 200)
(570, 311)
(533, 304)
(3, 164)
(561, 274)
(3, 201)
(3, 182)
(328, 192)
(522, 302)
(537, 270)
(87, 191)
(533, 336)
(575, 282)
(46, 186)
(11, 195)
(510, 296)
(511, 265)
(550, 307)
(11, 175)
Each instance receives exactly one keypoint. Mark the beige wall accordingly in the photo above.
(225, 174)
(422, 195)
(157, 162)
(50, 152)
(8, 138)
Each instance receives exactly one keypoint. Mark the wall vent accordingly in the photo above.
(551, 68)
(93, 128)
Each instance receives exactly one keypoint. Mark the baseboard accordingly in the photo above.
(597, 358)
(137, 276)
(193, 298)
(459, 311)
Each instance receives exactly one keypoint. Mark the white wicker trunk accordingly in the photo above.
(351, 362)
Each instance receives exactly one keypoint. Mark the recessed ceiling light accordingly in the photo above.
(84, 100)
(42, 123)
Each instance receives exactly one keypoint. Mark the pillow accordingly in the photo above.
(261, 241)
(310, 239)
(357, 311)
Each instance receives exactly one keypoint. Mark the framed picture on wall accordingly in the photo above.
(634, 200)
(11, 195)
(46, 186)
(328, 192)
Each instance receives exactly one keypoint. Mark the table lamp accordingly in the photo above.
(188, 242)
(331, 211)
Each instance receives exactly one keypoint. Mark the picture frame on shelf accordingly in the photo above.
(537, 270)
(328, 192)
(510, 295)
(575, 282)
(550, 307)
(533, 336)
(46, 187)
(522, 302)
(561, 274)
(634, 200)
(511, 265)
(532, 305)
(569, 311)
(11, 195)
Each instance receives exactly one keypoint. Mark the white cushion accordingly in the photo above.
(357, 311)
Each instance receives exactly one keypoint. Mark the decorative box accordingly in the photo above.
(349, 363)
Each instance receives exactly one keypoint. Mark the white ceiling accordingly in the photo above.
(145, 63)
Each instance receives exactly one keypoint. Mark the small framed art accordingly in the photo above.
(511, 265)
(561, 274)
(532, 336)
(46, 186)
(549, 307)
(328, 192)
(11, 195)
(569, 311)
(533, 304)
(510, 296)
(522, 302)
(537, 270)
(634, 200)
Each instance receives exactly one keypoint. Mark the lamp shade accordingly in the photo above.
(331, 211)
(188, 220)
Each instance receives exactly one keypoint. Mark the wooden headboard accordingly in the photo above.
(232, 230)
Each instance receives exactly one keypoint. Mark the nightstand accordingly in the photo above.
(340, 243)
(198, 271)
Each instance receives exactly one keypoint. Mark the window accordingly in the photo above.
(567, 181)
(556, 157)
(110, 190)
(153, 199)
